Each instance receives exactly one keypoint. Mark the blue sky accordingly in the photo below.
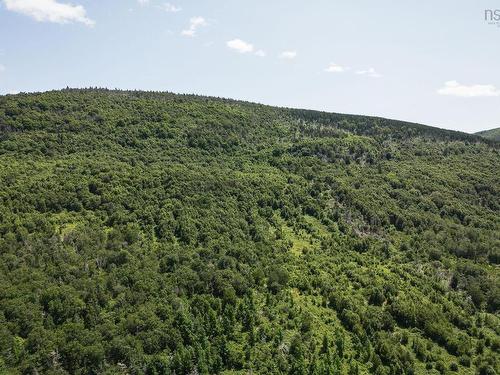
(433, 62)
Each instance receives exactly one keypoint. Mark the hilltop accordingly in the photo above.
(157, 233)
(493, 134)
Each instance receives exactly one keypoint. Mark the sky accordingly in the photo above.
(435, 62)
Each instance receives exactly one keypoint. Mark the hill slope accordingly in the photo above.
(493, 134)
(159, 233)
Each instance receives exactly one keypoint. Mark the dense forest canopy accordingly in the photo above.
(493, 134)
(156, 233)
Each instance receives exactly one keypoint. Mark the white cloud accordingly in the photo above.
(240, 46)
(290, 55)
(188, 32)
(244, 47)
(194, 24)
(370, 72)
(167, 7)
(454, 88)
(260, 53)
(335, 68)
(49, 11)
(2, 68)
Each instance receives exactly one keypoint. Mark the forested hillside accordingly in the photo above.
(493, 134)
(154, 233)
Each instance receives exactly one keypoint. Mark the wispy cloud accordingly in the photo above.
(2, 68)
(50, 11)
(335, 68)
(454, 88)
(167, 7)
(289, 55)
(143, 2)
(194, 24)
(243, 47)
(370, 72)
(240, 46)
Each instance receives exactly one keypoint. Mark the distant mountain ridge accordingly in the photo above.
(363, 121)
(493, 134)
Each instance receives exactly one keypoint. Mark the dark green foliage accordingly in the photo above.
(156, 233)
(493, 134)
